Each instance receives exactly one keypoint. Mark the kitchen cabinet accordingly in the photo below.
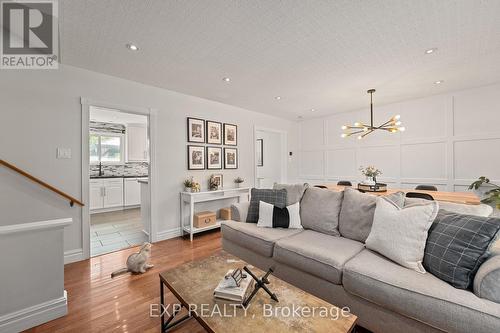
(137, 143)
(132, 191)
(96, 193)
(106, 193)
(113, 192)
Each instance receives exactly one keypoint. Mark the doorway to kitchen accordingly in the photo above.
(270, 157)
(116, 151)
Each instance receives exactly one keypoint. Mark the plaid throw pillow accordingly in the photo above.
(457, 245)
(273, 197)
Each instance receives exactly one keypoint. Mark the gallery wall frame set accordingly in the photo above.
(211, 132)
(212, 158)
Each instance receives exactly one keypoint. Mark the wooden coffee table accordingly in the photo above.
(193, 284)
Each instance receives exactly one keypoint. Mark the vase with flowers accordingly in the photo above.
(238, 181)
(371, 173)
(188, 184)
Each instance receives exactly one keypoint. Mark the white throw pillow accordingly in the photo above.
(400, 234)
(266, 215)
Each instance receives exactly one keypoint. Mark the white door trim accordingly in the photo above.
(284, 149)
(152, 120)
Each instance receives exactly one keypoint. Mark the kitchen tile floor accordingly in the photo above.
(114, 231)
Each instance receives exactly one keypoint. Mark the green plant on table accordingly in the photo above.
(492, 195)
(188, 182)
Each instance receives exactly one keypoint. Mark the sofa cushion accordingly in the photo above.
(249, 236)
(356, 214)
(316, 253)
(423, 297)
(400, 234)
(273, 197)
(457, 246)
(319, 210)
(294, 192)
(487, 280)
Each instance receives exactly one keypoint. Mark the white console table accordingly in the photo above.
(189, 199)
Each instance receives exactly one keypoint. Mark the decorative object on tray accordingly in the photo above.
(492, 194)
(230, 135)
(204, 219)
(259, 283)
(196, 130)
(371, 173)
(259, 151)
(225, 213)
(188, 184)
(214, 132)
(230, 158)
(196, 187)
(215, 182)
(214, 158)
(235, 286)
(238, 181)
(378, 187)
(196, 157)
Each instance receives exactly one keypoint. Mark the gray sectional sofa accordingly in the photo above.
(385, 296)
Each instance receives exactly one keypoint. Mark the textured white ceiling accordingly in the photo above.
(314, 54)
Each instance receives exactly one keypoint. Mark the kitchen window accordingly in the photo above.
(106, 148)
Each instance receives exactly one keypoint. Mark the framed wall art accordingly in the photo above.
(214, 158)
(196, 130)
(230, 135)
(230, 158)
(196, 157)
(214, 132)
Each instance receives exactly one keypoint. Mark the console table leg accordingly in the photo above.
(191, 218)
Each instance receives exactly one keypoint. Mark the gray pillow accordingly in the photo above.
(457, 245)
(356, 215)
(274, 197)
(294, 192)
(319, 210)
(479, 210)
(487, 280)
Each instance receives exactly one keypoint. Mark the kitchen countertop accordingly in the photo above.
(104, 176)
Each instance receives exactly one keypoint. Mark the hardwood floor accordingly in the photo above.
(97, 303)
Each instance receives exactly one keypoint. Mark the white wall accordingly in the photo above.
(449, 141)
(270, 172)
(40, 111)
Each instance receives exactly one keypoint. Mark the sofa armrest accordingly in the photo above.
(239, 211)
(487, 280)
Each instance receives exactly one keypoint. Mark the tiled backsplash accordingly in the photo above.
(137, 169)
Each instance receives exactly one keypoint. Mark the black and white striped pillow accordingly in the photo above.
(271, 216)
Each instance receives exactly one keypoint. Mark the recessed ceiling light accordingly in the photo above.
(438, 82)
(277, 98)
(312, 110)
(429, 51)
(132, 47)
(226, 79)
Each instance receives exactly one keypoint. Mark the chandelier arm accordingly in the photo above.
(370, 131)
(349, 134)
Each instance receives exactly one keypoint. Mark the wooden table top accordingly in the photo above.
(194, 282)
(468, 198)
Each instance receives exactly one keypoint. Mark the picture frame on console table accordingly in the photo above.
(230, 158)
(214, 158)
(195, 130)
(214, 132)
(196, 157)
(230, 135)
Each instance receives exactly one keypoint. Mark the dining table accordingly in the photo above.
(468, 198)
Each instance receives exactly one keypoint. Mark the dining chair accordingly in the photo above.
(320, 186)
(426, 188)
(344, 183)
(419, 195)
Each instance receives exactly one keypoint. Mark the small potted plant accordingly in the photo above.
(371, 173)
(238, 181)
(188, 184)
(491, 195)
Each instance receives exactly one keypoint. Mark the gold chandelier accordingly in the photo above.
(393, 125)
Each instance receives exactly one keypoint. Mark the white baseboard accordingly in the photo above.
(73, 256)
(34, 315)
(167, 234)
